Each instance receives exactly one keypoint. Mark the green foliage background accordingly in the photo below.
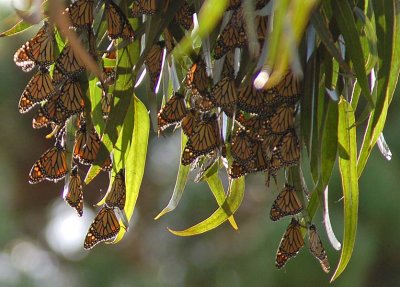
(149, 255)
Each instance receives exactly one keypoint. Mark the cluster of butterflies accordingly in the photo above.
(262, 137)
(56, 88)
(288, 203)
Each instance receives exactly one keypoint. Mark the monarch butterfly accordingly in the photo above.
(270, 143)
(224, 92)
(287, 203)
(289, 148)
(275, 163)
(38, 89)
(109, 69)
(52, 165)
(196, 78)
(290, 245)
(106, 101)
(40, 120)
(289, 88)
(146, 7)
(184, 16)
(282, 119)
(37, 51)
(169, 40)
(262, 25)
(204, 139)
(68, 65)
(173, 111)
(317, 249)
(260, 161)
(117, 24)
(72, 97)
(202, 102)
(154, 61)
(73, 193)
(232, 112)
(189, 123)
(237, 170)
(242, 148)
(117, 195)
(105, 226)
(81, 13)
(256, 125)
(228, 69)
(233, 36)
(234, 4)
(256, 101)
(87, 145)
(53, 111)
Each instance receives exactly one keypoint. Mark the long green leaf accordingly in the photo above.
(215, 184)
(347, 26)
(95, 94)
(17, 28)
(329, 144)
(348, 172)
(126, 58)
(387, 17)
(180, 184)
(320, 25)
(227, 209)
(135, 157)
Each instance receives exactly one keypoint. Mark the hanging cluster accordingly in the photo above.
(61, 100)
(224, 117)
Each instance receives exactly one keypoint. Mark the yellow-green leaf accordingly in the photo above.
(135, 157)
(227, 209)
(348, 171)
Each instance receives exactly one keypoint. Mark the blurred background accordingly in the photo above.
(41, 238)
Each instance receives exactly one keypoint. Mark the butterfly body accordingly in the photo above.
(73, 194)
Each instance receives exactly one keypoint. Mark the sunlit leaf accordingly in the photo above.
(126, 58)
(388, 23)
(348, 172)
(346, 23)
(227, 209)
(215, 184)
(134, 155)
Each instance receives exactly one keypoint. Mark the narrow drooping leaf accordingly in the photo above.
(135, 155)
(347, 26)
(388, 23)
(95, 100)
(227, 209)
(122, 94)
(370, 49)
(215, 184)
(348, 171)
(318, 22)
(180, 183)
(329, 142)
(291, 20)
